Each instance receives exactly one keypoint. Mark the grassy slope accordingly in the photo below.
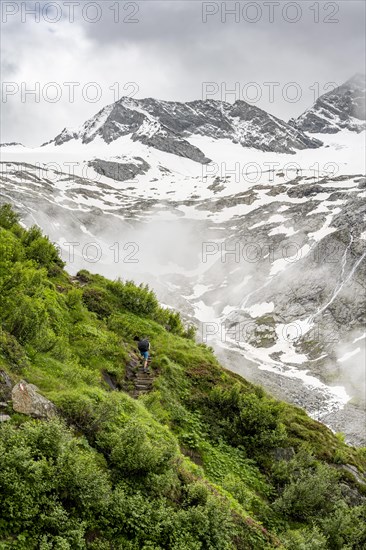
(191, 464)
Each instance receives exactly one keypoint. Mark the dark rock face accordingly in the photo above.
(109, 379)
(120, 171)
(120, 122)
(172, 144)
(275, 134)
(166, 125)
(341, 108)
(306, 190)
(5, 386)
(361, 183)
(283, 453)
(195, 117)
(65, 136)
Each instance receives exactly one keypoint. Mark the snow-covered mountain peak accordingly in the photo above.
(339, 109)
(357, 81)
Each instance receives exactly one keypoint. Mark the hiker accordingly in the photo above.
(144, 346)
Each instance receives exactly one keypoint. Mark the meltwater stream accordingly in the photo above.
(301, 387)
(342, 281)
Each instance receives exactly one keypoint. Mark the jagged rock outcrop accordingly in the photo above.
(27, 400)
(12, 144)
(120, 171)
(170, 143)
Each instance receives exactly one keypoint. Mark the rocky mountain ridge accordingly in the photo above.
(167, 125)
(340, 109)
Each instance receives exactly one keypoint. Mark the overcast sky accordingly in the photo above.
(169, 49)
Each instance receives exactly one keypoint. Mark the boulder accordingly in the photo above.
(360, 478)
(4, 417)
(110, 380)
(27, 400)
(283, 453)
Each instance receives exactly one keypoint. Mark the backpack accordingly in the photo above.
(144, 345)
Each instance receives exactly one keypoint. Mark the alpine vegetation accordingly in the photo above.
(95, 454)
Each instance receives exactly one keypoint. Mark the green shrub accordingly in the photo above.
(306, 539)
(43, 252)
(345, 527)
(13, 352)
(309, 493)
(11, 251)
(157, 525)
(8, 218)
(76, 308)
(138, 448)
(26, 318)
(84, 276)
(190, 332)
(51, 486)
(245, 419)
(96, 300)
(86, 410)
(137, 299)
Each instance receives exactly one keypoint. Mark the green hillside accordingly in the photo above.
(202, 461)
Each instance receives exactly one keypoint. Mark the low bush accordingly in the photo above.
(8, 218)
(13, 352)
(51, 487)
(96, 300)
(245, 419)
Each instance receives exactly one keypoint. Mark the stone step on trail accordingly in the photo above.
(139, 381)
(143, 381)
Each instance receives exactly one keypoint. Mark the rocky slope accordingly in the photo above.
(339, 109)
